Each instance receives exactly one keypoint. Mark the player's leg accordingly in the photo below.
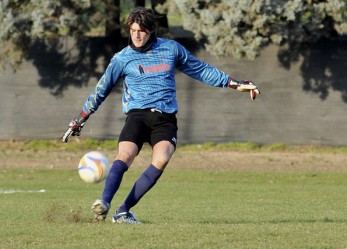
(163, 141)
(127, 151)
(162, 153)
(130, 143)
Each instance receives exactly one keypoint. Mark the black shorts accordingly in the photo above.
(149, 126)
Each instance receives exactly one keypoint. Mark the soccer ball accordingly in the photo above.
(93, 167)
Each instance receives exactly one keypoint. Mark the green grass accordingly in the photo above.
(78, 144)
(186, 209)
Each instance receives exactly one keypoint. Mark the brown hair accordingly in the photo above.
(144, 17)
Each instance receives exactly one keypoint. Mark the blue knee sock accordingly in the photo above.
(113, 180)
(145, 182)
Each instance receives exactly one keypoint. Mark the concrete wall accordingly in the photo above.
(303, 99)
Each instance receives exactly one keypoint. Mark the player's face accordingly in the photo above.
(138, 36)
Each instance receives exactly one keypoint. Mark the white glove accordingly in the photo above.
(245, 86)
(75, 126)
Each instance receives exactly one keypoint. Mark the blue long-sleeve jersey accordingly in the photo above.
(149, 77)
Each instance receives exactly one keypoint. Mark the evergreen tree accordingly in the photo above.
(242, 28)
(24, 21)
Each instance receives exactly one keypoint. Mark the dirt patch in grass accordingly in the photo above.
(61, 213)
(188, 158)
(237, 160)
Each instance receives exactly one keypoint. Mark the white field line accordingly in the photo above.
(13, 191)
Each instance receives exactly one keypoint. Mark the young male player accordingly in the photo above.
(147, 65)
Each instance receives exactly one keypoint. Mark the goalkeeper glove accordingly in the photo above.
(245, 86)
(75, 126)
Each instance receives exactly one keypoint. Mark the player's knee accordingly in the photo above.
(161, 161)
(126, 157)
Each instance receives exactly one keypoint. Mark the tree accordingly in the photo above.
(112, 25)
(242, 28)
(163, 23)
(24, 21)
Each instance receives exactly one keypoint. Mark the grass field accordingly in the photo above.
(273, 199)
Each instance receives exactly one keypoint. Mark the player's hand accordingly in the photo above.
(75, 127)
(245, 86)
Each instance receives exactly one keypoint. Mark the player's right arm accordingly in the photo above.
(102, 89)
(112, 74)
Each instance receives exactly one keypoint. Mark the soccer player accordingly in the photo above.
(147, 66)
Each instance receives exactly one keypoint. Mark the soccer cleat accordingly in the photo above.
(100, 209)
(125, 217)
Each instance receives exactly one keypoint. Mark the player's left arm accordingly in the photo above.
(199, 70)
(210, 75)
(244, 86)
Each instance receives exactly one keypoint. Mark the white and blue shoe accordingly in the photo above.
(125, 217)
(100, 209)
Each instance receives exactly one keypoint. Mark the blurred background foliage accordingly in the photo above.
(242, 28)
(226, 27)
